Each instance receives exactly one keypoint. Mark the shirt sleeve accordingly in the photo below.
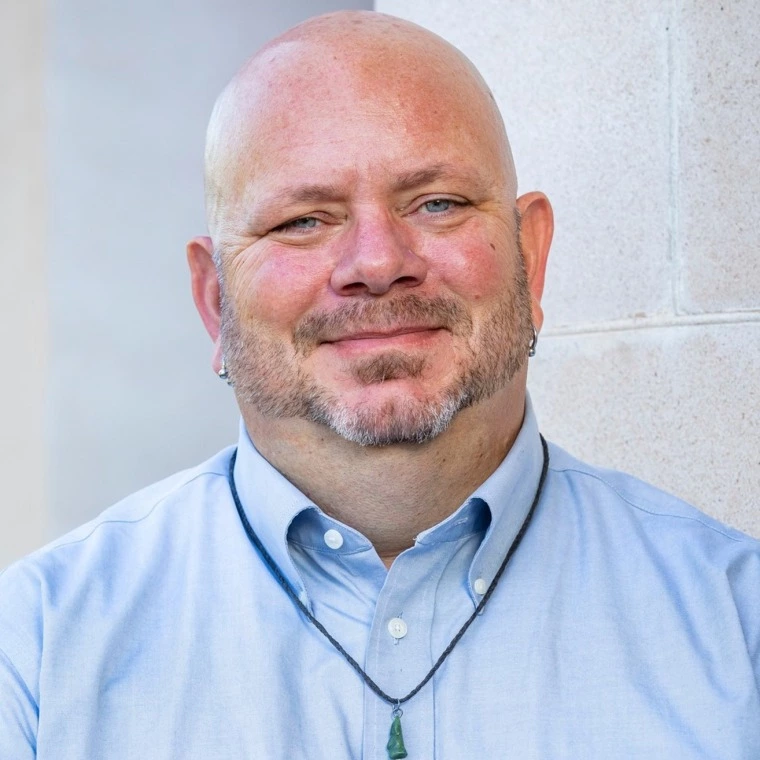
(18, 714)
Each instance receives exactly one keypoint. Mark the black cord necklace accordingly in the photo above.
(395, 747)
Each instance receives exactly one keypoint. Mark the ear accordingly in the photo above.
(206, 294)
(536, 230)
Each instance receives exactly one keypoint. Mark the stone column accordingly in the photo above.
(23, 284)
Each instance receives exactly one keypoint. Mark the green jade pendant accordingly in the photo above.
(395, 746)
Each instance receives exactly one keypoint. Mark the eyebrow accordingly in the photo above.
(306, 194)
(415, 179)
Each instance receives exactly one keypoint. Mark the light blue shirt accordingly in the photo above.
(627, 625)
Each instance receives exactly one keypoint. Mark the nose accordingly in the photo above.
(376, 258)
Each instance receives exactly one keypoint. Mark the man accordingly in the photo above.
(391, 562)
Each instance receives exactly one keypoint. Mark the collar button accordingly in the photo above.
(333, 539)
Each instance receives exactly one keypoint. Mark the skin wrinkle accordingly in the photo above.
(364, 427)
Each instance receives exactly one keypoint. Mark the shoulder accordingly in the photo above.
(143, 512)
(618, 496)
(653, 546)
(87, 571)
(646, 533)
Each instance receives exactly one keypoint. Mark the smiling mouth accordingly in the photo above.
(406, 320)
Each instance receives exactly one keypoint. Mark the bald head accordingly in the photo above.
(357, 73)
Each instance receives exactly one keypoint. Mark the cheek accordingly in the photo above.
(475, 267)
(278, 289)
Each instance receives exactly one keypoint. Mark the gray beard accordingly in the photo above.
(274, 384)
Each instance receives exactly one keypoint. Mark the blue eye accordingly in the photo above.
(304, 223)
(438, 205)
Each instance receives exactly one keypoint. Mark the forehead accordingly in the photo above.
(368, 118)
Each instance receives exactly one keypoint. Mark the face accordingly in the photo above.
(371, 274)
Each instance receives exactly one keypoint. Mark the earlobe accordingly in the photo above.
(536, 231)
(205, 287)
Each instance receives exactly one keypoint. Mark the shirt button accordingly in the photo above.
(397, 628)
(333, 539)
(480, 586)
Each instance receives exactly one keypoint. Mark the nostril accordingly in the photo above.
(406, 280)
(353, 288)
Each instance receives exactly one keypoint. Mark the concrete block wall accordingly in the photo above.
(642, 125)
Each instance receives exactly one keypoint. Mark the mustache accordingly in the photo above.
(411, 309)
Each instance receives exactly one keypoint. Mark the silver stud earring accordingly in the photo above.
(223, 374)
(533, 343)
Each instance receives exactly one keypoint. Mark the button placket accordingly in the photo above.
(408, 590)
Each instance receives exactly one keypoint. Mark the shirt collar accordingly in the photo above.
(509, 493)
(502, 503)
(272, 503)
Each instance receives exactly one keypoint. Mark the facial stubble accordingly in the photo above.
(269, 375)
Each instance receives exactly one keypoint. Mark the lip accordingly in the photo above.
(398, 332)
(378, 340)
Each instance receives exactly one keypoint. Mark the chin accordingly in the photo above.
(389, 416)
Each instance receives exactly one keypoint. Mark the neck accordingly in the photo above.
(392, 493)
